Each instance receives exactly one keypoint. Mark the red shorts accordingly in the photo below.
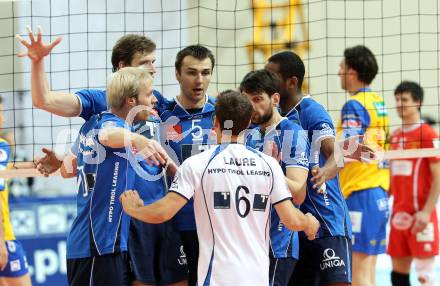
(403, 243)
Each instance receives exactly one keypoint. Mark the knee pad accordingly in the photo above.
(399, 279)
(425, 269)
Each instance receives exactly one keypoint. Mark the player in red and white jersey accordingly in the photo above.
(415, 185)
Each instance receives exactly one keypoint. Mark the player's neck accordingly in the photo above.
(121, 113)
(356, 86)
(289, 102)
(189, 104)
(276, 117)
(225, 138)
(411, 119)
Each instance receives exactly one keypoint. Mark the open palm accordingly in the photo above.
(36, 49)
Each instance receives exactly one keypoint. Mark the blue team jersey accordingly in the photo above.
(103, 174)
(329, 208)
(94, 101)
(150, 181)
(186, 134)
(292, 141)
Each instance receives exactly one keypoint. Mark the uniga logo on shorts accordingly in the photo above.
(331, 260)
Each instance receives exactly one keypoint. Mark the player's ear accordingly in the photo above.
(292, 82)
(216, 123)
(131, 101)
(177, 75)
(276, 98)
(121, 65)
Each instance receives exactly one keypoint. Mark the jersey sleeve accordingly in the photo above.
(430, 139)
(320, 124)
(91, 102)
(162, 102)
(74, 148)
(355, 119)
(297, 154)
(184, 181)
(110, 122)
(4, 159)
(280, 192)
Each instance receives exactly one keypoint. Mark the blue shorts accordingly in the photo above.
(369, 214)
(17, 265)
(108, 269)
(323, 261)
(281, 270)
(156, 253)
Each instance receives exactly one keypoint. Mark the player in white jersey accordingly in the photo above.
(234, 188)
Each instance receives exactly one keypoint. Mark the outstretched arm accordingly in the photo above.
(158, 212)
(117, 137)
(62, 104)
(296, 179)
(295, 220)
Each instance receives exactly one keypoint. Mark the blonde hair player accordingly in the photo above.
(97, 242)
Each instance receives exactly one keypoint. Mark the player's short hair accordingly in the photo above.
(290, 64)
(125, 83)
(196, 51)
(260, 81)
(127, 46)
(412, 88)
(233, 111)
(363, 61)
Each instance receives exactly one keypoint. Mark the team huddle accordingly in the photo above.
(253, 187)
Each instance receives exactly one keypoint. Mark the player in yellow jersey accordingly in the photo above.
(13, 266)
(364, 185)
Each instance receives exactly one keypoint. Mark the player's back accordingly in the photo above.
(232, 204)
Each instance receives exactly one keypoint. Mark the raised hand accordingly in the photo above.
(36, 49)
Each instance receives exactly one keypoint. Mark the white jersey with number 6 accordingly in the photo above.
(233, 188)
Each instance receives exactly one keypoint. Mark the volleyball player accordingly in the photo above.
(364, 185)
(233, 188)
(14, 269)
(155, 250)
(97, 241)
(192, 133)
(415, 186)
(327, 259)
(288, 142)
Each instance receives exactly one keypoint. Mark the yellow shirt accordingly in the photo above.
(364, 114)
(4, 192)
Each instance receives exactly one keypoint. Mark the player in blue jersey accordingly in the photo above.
(288, 142)
(157, 257)
(326, 260)
(97, 242)
(234, 188)
(187, 124)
